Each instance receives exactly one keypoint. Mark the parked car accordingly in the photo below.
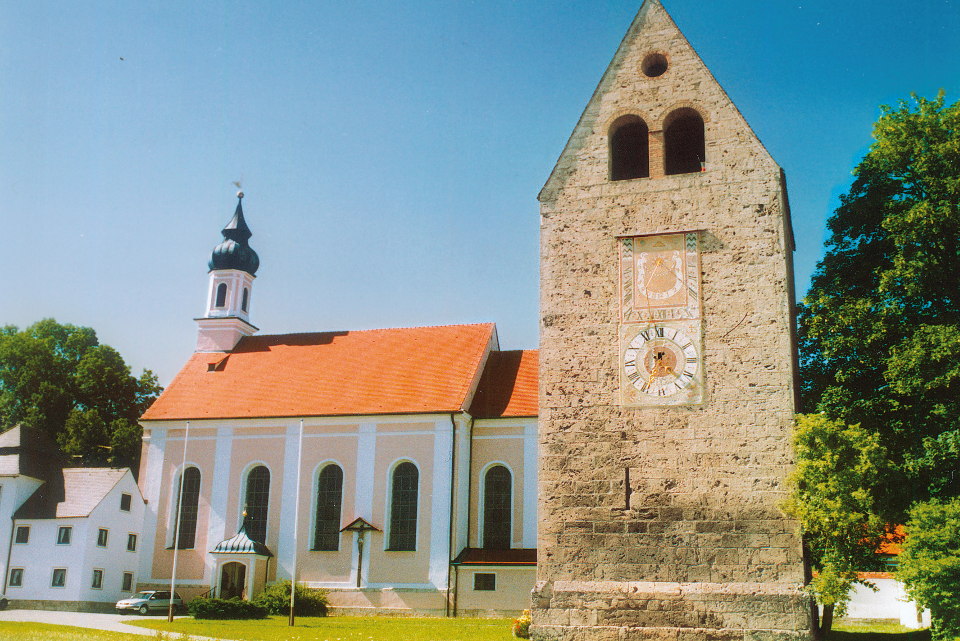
(149, 601)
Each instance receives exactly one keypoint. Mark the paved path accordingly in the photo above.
(110, 622)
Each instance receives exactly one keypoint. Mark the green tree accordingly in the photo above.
(61, 380)
(880, 327)
(929, 565)
(834, 497)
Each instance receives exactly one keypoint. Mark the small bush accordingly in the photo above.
(235, 608)
(521, 626)
(309, 602)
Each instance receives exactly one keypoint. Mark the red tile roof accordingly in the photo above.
(381, 371)
(508, 386)
(891, 543)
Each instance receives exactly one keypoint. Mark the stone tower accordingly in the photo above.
(666, 364)
(233, 266)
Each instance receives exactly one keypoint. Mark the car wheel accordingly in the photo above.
(144, 610)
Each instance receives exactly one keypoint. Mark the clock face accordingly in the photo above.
(661, 361)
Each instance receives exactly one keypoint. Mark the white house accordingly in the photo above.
(74, 536)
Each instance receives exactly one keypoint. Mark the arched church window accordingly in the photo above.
(403, 507)
(326, 533)
(497, 488)
(629, 148)
(257, 503)
(221, 295)
(188, 499)
(246, 297)
(683, 141)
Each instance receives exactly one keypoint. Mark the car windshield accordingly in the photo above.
(145, 595)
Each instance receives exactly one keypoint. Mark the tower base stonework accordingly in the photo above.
(661, 611)
(667, 365)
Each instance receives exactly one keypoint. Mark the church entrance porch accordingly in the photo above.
(241, 566)
(233, 576)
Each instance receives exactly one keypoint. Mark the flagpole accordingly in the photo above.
(296, 523)
(176, 526)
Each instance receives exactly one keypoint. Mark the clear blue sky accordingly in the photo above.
(391, 153)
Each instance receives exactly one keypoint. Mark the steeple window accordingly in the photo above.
(245, 299)
(684, 142)
(221, 295)
(629, 149)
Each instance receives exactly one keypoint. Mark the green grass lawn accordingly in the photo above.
(343, 629)
(370, 629)
(16, 631)
(875, 630)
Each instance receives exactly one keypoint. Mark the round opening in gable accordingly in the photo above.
(655, 64)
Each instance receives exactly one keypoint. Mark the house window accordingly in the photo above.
(64, 534)
(221, 295)
(403, 507)
(189, 500)
(131, 543)
(484, 581)
(497, 488)
(59, 578)
(326, 535)
(683, 142)
(258, 503)
(124, 502)
(629, 148)
(102, 535)
(97, 583)
(127, 582)
(16, 578)
(23, 534)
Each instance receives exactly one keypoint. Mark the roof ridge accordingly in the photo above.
(374, 329)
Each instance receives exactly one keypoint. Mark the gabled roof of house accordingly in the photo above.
(28, 452)
(508, 387)
(72, 492)
(382, 371)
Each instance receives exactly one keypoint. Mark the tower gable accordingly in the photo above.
(656, 74)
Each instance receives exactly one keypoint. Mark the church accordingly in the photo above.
(622, 481)
(394, 467)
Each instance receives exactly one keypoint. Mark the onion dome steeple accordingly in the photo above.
(234, 252)
(233, 267)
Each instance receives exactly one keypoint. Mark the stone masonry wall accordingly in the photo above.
(703, 551)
